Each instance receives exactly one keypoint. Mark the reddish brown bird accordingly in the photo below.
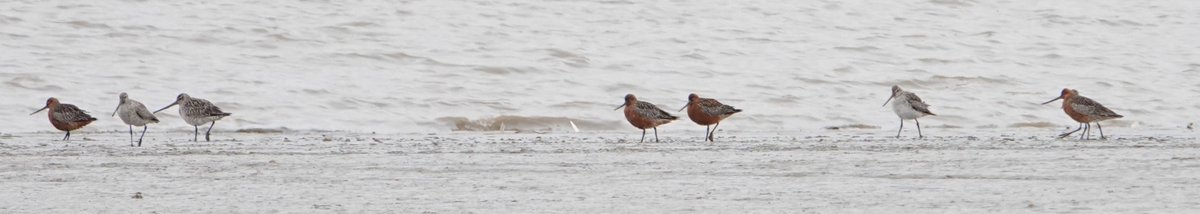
(1085, 111)
(644, 115)
(66, 117)
(705, 111)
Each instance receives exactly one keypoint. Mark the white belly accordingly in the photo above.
(905, 111)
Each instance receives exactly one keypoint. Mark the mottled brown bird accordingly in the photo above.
(65, 117)
(644, 115)
(1085, 111)
(706, 112)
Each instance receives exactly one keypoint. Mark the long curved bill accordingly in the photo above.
(165, 108)
(619, 107)
(39, 110)
(1055, 99)
(886, 102)
(685, 105)
(115, 110)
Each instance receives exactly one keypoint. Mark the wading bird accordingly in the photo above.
(908, 107)
(705, 111)
(133, 113)
(1085, 111)
(644, 115)
(65, 117)
(196, 112)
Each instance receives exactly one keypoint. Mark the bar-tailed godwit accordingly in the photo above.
(196, 112)
(705, 111)
(1085, 111)
(65, 117)
(644, 115)
(133, 113)
(908, 107)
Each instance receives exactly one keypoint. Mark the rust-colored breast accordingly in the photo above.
(697, 114)
(65, 125)
(1066, 105)
(639, 121)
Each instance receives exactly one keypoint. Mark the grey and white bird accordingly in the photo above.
(196, 112)
(133, 113)
(908, 107)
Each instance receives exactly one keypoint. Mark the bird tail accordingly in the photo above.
(222, 114)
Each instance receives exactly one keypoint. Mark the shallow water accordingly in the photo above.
(427, 66)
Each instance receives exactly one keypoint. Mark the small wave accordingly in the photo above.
(262, 130)
(852, 126)
(27, 82)
(360, 24)
(86, 24)
(395, 57)
(524, 124)
(139, 27)
(1033, 125)
(960, 79)
(505, 70)
(9, 19)
(569, 58)
(953, 3)
(579, 104)
(857, 49)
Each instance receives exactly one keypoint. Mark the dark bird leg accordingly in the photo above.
(206, 133)
(714, 132)
(656, 134)
(1101, 128)
(144, 127)
(706, 133)
(643, 136)
(130, 135)
(901, 128)
(67, 137)
(1071, 132)
(1086, 127)
(195, 133)
(919, 129)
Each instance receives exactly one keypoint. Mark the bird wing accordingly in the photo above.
(648, 110)
(142, 112)
(1090, 107)
(70, 113)
(203, 108)
(918, 104)
(714, 107)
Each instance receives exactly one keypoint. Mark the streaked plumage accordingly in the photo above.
(908, 107)
(645, 115)
(705, 111)
(65, 117)
(1092, 109)
(196, 112)
(133, 113)
(1085, 111)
